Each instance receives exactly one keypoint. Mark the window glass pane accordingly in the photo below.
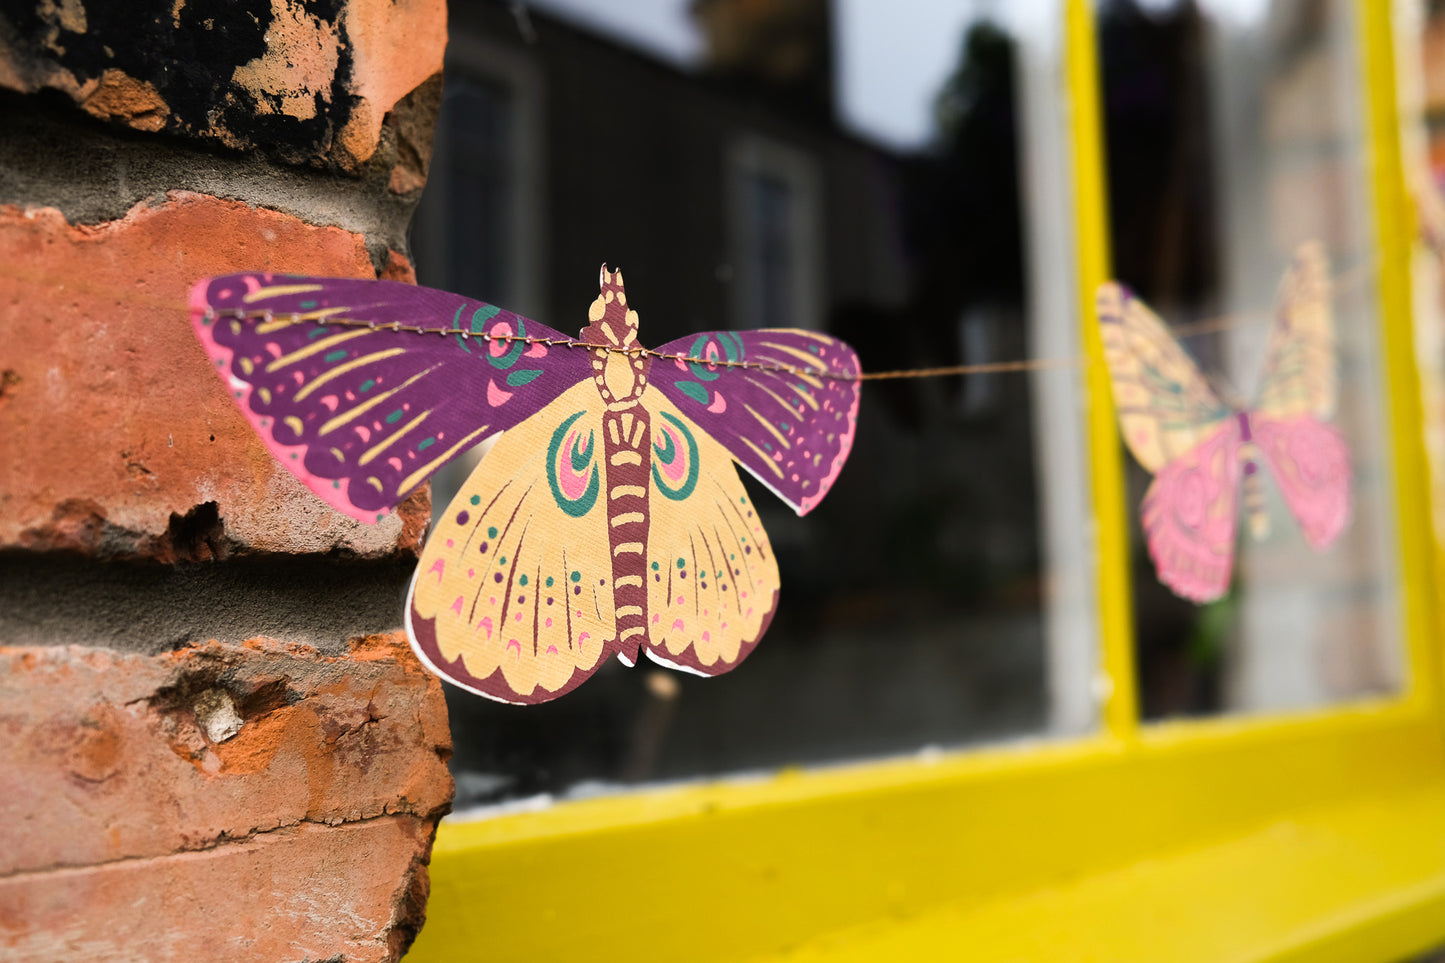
(1234, 134)
(894, 176)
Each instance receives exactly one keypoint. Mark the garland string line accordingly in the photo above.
(1344, 282)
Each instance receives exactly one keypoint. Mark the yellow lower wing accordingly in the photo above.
(711, 576)
(512, 598)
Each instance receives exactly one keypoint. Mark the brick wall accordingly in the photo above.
(214, 742)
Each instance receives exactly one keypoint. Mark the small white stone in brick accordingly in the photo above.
(217, 715)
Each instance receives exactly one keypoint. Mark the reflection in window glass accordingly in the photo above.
(938, 596)
(1234, 133)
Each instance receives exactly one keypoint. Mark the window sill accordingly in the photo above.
(1247, 839)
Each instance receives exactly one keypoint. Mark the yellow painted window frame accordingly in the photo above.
(1309, 836)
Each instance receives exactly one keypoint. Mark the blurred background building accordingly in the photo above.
(717, 166)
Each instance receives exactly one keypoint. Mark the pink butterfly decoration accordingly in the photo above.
(1202, 450)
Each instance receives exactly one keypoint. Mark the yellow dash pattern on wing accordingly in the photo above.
(279, 291)
(826, 339)
(276, 324)
(415, 477)
(626, 518)
(621, 491)
(634, 548)
(812, 402)
(626, 458)
(766, 460)
(766, 424)
(624, 611)
(769, 392)
(362, 409)
(627, 581)
(342, 369)
(316, 348)
(813, 360)
(372, 452)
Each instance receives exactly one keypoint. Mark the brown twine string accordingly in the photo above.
(1344, 282)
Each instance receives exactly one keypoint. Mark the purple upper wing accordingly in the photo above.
(365, 415)
(792, 427)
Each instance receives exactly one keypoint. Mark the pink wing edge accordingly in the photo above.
(1195, 558)
(494, 687)
(1322, 508)
(332, 491)
(845, 446)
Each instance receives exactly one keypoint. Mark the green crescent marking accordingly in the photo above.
(581, 458)
(524, 377)
(699, 371)
(665, 452)
(733, 345)
(480, 317)
(693, 390)
(686, 489)
(510, 358)
(461, 341)
(584, 504)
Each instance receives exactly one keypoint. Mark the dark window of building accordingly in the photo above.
(795, 164)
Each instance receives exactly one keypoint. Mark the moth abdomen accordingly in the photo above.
(626, 435)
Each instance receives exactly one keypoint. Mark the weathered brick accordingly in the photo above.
(108, 756)
(352, 893)
(261, 800)
(117, 437)
(306, 82)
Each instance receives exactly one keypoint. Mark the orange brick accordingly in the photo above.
(352, 892)
(115, 429)
(108, 756)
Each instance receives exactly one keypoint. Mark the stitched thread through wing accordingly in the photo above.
(1342, 283)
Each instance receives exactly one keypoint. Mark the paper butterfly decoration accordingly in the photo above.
(606, 519)
(1199, 448)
